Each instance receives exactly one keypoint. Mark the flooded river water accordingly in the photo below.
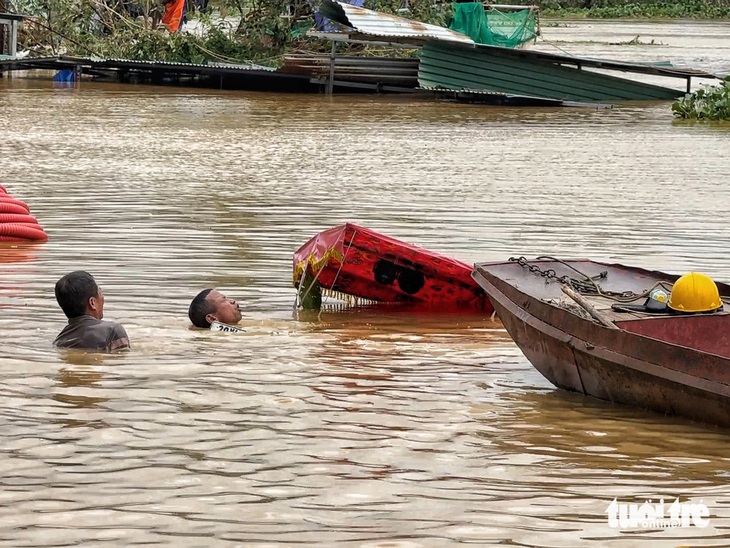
(357, 428)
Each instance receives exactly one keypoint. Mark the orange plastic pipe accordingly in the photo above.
(5, 199)
(28, 232)
(12, 208)
(17, 218)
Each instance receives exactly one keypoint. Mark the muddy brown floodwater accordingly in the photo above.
(359, 428)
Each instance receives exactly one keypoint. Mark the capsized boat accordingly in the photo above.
(359, 262)
(601, 330)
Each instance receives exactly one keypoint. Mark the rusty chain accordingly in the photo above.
(548, 274)
(587, 286)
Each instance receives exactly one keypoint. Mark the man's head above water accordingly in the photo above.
(210, 305)
(78, 295)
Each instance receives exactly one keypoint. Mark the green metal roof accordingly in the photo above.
(451, 66)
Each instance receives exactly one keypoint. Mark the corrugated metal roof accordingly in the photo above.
(230, 76)
(485, 96)
(452, 66)
(659, 69)
(474, 91)
(163, 64)
(388, 27)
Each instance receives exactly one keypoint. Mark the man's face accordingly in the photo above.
(96, 306)
(226, 310)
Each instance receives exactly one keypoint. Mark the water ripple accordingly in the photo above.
(355, 428)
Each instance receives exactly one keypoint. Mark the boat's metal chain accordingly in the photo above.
(549, 273)
(586, 286)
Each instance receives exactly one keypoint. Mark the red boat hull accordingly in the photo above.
(360, 262)
(674, 365)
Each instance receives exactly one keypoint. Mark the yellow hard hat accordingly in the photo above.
(694, 292)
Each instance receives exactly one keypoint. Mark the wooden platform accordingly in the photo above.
(299, 74)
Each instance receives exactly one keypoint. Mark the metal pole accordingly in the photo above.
(13, 38)
(3, 32)
(331, 81)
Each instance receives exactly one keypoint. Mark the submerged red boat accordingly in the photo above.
(359, 262)
(601, 330)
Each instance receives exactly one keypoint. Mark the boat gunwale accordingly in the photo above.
(637, 349)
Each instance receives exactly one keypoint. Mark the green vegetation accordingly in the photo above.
(260, 31)
(617, 9)
(242, 31)
(707, 103)
(428, 11)
(257, 31)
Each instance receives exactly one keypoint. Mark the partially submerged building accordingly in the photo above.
(481, 58)
(453, 64)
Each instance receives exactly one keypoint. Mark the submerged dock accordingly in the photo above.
(300, 74)
(211, 75)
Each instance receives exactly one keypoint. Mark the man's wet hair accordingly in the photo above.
(73, 292)
(200, 308)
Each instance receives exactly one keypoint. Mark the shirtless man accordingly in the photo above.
(83, 303)
(210, 305)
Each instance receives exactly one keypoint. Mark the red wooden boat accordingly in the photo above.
(359, 262)
(601, 336)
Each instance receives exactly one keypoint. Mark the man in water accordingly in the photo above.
(210, 305)
(83, 303)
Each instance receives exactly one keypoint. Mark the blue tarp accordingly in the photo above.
(65, 75)
(323, 24)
